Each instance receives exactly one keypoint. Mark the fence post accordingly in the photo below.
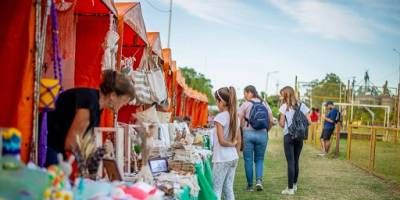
(338, 129)
(350, 130)
(372, 149)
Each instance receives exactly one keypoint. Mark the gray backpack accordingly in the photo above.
(298, 130)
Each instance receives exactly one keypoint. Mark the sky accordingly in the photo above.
(237, 42)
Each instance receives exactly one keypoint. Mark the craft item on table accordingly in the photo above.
(89, 189)
(147, 132)
(164, 135)
(57, 177)
(164, 117)
(11, 142)
(49, 194)
(135, 136)
(198, 140)
(149, 115)
(20, 182)
(143, 191)
(88, 156)
(111, 170)
(134, 161)
(167, 188)
(181, 166)
(165, 181)
(189, 139)
(66, 166)
(172, 132)
(145, 175)
(109, 150)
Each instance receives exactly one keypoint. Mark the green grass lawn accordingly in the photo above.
(320, 178)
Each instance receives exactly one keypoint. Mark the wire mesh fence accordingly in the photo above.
(375, 149)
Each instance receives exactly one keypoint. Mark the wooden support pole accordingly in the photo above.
(349, 142)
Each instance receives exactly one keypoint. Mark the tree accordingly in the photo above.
(328, 89)
(274, 103)
(199, 82)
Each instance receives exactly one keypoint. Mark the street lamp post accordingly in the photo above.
(398, 93)
(266, 85)
(169, 23)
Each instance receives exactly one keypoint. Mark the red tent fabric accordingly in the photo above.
(132, 31)
(93, 23)
(17, 70)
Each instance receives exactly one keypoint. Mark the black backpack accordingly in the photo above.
(298, 130)
(258, 118)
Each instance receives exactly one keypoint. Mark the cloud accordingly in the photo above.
(327, 19)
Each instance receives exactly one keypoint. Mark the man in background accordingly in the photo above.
(330, 121)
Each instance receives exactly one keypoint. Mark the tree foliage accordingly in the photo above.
(274, 104)
(199, 82)
(327, 89)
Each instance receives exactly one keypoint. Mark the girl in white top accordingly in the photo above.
(291, 147)
(226, 143)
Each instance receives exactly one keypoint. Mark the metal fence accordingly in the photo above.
(375, 149)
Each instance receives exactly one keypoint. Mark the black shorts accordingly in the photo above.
(327, 134)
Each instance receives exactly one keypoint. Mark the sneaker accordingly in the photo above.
(288, 191)
(295, 187)
(249, 189)
(259, 186)
(322, 154)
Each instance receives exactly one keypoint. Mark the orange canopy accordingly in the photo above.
(132, 31)
(155, 43)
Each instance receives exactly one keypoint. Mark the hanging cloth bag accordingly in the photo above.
(141, 86)
(156, 79)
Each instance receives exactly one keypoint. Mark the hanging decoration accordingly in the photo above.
(50, 88)
(110, 46)
(63, 5)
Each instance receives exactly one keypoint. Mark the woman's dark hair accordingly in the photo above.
(253, 91)
(114, 81)
(228, 96)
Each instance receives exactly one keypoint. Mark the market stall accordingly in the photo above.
(180, 85)
(154, 158)
(131, 46)
(170, 73)
(132, 31)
